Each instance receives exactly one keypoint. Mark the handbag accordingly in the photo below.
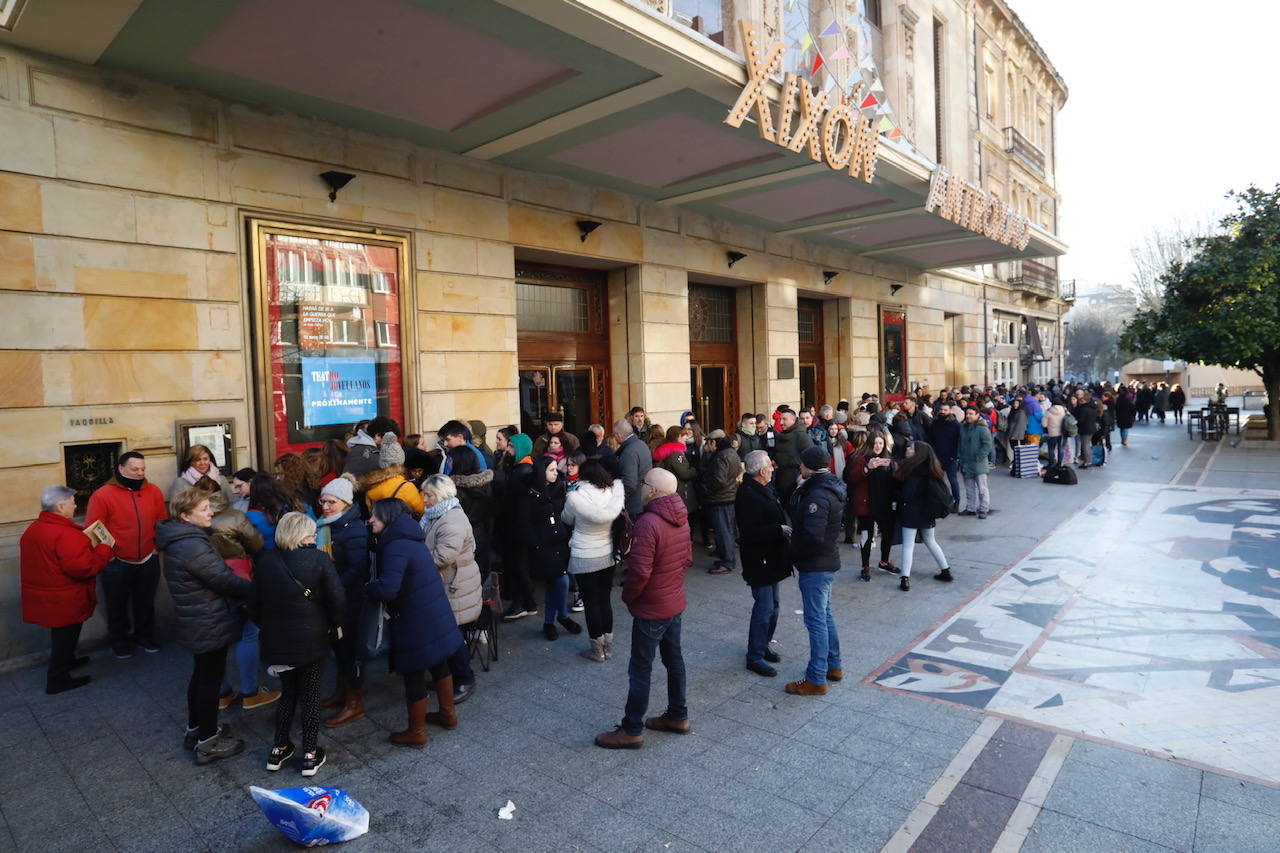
(374, 639)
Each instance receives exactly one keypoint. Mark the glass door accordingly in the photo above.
(574, 388)
(809, 386)
(711, 396)
(535, 399)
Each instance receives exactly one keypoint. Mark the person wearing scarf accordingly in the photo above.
(196, 464)
(343, 535)
(451, 541)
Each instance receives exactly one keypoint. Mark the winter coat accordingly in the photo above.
(265, 526)
(870, 490)
(634, 462)
(59, 570)
(674, 457)
(1161, 401)
(361, 458)
(945, 438)
(748, 442)
(452, 545)
(976, 445)
(130, 516)
(1177, 400)
(1126, 411)
(720, 480)
(590, 512)
(423, 629)
(390, 483)
(1017, 424)
(542, 529)
(817, 510)
(205, 592)
(788, 445)
(762, 544)
(349, 549)
(1052, 421)
(296, 629)
(820, 437)
(1086, 415)
(568, 441)
(476, 495)
(661, 552)
(233, 535)
(913, 509)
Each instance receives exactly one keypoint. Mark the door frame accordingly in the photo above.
(881, 310)
(730, 395)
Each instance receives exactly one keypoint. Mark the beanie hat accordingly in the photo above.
(521, 446)
(715, 433)
(340, 489)
(392, 454)
(814, 458)
(478, 429)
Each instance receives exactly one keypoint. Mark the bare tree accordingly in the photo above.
(1091, 342)
(1160, 248)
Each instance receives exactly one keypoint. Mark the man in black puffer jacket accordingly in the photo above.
(763, 531)
(817, 508)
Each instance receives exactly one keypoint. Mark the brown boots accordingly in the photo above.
(352, 709)
(416, 735)
(446, 717)
(336, 699)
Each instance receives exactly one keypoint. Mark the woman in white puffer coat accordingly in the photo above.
(591, 510)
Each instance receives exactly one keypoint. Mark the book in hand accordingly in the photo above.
(99, 535)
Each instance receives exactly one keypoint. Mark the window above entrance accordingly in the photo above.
(544, 308)
(710, 315)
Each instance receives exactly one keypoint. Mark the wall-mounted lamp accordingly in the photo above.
(586, 226)
(335, 182)
(734, 257)
(827, 275)
(894, 288)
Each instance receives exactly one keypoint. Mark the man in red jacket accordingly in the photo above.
(661, 552)
(59, 567)
(130, 506)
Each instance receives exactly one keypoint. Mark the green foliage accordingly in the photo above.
(1222, 306)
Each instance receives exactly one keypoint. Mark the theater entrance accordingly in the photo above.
(713, 357)
(563, 347)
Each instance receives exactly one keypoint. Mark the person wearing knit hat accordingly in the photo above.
(343, 535)
(714, 434)
(815, 459)
(478, 432)
(388, 480)
(521, 448)
(518, 585)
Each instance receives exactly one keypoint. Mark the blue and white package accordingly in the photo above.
(313, 816)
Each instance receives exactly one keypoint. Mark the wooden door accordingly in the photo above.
(713, 356)
(813, 367)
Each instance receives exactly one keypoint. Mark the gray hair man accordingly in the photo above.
(764, 532)
(634, 461)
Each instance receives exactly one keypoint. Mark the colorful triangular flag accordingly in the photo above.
(817, 63)
(833, 29)
(808, 41)
(868, 102)
(842, 52)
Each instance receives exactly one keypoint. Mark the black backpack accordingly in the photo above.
(938, 498)
(1063, 475)
(624, 531)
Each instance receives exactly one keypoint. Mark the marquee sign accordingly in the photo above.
(972, 207)
(838, 134)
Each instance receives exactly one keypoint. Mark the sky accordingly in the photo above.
(1171, 104)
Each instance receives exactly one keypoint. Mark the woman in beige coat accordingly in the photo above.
(452, 545)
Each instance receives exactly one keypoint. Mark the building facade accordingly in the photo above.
(250, 223)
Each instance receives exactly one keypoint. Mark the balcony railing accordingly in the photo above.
(1019, 146)
(1034, 274)
(1067, 290)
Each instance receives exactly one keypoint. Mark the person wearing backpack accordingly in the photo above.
(975, 462)
(591, 510)
(1086, 417)
(915, 477)
(1052, 423)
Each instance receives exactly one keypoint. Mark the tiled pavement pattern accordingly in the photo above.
(101, 768)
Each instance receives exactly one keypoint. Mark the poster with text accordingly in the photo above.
(338, 390)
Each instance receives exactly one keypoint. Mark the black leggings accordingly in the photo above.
(300, 685)
(870, 524)
(415, 683)
(596, 588)
(203, 690)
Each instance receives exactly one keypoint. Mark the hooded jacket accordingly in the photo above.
(788, 445)
(945, 438)
(349, 548)
(233, 535)
(296, 629)
(204, 591)
(724, 474)
(591, 511)
(390, 483)
(661, 552)
(423, 629)
(817, 508)
(130, 516)
(539, 522)
(976, 445)
(362, 455)
(748, 442)
(59, 570)
(763, 546)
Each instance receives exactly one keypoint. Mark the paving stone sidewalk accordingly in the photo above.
(101, 768)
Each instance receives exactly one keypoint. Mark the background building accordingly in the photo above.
(251, 222)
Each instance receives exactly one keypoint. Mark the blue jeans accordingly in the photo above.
(649, 636)
(557, 600)
(1124, 433)
(1054, 443)
(953, 468)
(764, 619)
(824, 641)
(246, 649)
(723, 522)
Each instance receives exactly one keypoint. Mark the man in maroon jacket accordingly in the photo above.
(661, 552)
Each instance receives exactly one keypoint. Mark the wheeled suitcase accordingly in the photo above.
(1026, 461)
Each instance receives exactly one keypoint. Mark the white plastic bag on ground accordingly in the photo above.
(313, 816)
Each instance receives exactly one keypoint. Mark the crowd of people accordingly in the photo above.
(376, 544)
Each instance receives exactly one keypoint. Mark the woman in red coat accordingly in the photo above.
(60, 565)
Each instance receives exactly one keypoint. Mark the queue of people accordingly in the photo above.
(372, 537)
